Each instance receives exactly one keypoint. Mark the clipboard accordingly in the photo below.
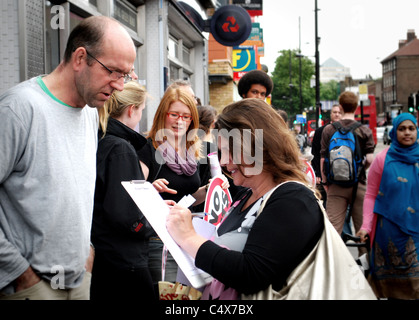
(152, 205)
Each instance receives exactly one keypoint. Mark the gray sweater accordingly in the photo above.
(47, 181)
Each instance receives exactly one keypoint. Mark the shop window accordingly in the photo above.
(173, 48)
(56, 34)
(180, 58)
(174, 72)
(126, 14)
(186, 56)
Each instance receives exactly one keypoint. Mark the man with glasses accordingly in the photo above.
(49, 128)
(115, 75)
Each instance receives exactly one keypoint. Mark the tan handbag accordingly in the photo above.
(329, 272)
(175, 291)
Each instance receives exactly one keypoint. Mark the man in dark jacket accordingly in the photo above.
(335, 115)
(339, 197)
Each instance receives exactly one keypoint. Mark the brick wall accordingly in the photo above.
(221, 95)
(407, 78)
(220, 67)
(217, 51)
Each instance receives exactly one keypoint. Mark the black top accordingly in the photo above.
(315, 151)
(120, 231)
(282, 236)
(183, 184)
(235, 217)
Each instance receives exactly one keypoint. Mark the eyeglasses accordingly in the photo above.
(175, 116)
(113, 75)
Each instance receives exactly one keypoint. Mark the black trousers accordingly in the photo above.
(111, 283)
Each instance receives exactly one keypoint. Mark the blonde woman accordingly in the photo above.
(120, 232)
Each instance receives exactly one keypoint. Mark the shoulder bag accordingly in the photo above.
(329, 272)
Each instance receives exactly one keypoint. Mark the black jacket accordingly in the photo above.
(315, 150)
(119, 230)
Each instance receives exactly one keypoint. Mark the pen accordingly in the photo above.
(199, 214)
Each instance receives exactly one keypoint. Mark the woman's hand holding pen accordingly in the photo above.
(171, 204)
(179, 222)
(180, 227)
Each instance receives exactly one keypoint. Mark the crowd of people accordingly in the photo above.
(69, 230)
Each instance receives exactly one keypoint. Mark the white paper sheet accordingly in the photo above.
(155, 210)
(205, 229)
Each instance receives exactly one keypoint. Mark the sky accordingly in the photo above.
(357, 34)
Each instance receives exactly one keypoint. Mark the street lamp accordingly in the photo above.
(290, 85)
(317, 40)
(300, 56)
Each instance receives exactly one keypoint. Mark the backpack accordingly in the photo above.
(344, 161)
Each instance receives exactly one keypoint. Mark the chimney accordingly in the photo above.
(411, 35)
(402, 43)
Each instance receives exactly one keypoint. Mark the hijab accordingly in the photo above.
(398, 199)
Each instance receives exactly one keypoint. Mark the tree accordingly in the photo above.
(287, 97)
(330, 90)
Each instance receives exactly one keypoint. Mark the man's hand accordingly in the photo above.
(90, 259)
(26, 280)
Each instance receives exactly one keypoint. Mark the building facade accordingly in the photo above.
(220, 68)
(333, 70)
(401, 74)
(169, 45)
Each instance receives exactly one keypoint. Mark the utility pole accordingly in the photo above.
(362, 107)
(290, 84)
(300, 56)
(318, 104)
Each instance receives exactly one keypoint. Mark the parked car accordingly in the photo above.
(386, 135)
